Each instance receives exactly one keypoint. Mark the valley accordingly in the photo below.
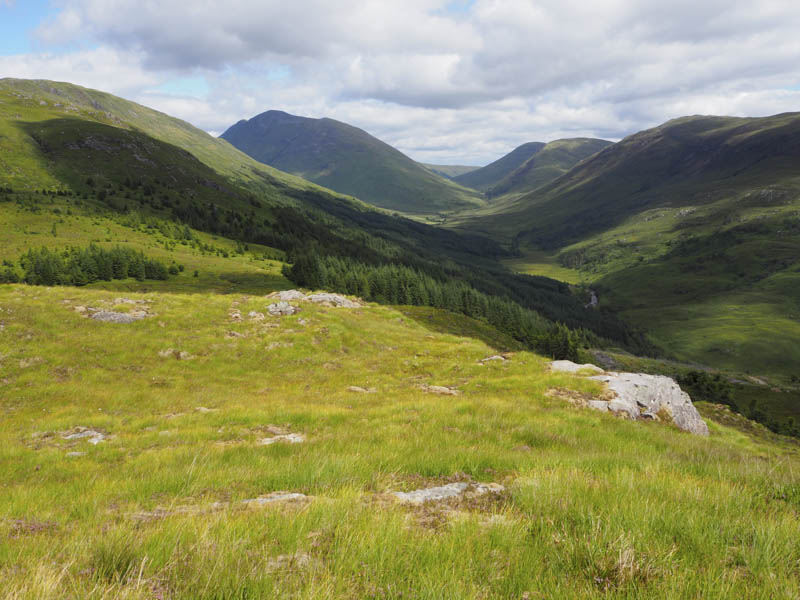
(221, 380)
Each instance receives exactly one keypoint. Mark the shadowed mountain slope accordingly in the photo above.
(552, 161)
(486, 177)
(348, 160)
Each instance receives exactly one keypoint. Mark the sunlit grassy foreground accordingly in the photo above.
(594, 507)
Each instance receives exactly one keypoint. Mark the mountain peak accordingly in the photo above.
(349, 160)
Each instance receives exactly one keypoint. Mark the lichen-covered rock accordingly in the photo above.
(440, 390)
(360, 390)
(567, 366)
(176, 354)
(116, 317)
(275, 497)
(447, 492)
(337, 300)
(495, 358)
(639, 395)
(282, 308)
(289, 296)
(84, 433)
(600, 405)
(288, 438)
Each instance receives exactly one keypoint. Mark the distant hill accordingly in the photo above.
(349, 160)
(687, 161)
(691, 229)
(546, 165)
(486, 177)
(449, 171)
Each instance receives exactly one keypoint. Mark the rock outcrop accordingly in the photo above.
(282, 308)
(336, 300)
(288, 296)
(110, 316)
(447, 492)
(639, 395)
(567, 366)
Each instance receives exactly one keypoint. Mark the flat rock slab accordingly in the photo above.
(440, 390)
(110, 316)
(495, 358)
(447, 492)
(84, 433)
(288, 438)
(176, 354)
(275, 497)
(600, 405)
(639, 395)
(361, 390)
(567, 366)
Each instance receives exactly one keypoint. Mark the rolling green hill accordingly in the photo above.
(28, 101)
(348, 160)
(691, 229)
(548, 164)
(484, 178)
(88, 162)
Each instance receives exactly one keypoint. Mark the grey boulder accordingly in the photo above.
(281, 308)
(638, 395)
(567, 366)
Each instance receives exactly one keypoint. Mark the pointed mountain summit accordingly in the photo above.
(486, 177)
(548, 164)
(349, 160)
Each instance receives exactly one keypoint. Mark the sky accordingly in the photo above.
(445, 81)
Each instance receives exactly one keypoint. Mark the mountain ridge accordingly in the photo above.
(347, 159)
(484, 178)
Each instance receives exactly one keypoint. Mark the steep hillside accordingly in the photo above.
(449, 171)
(488, 176)
(28, 101)
(691, 229)
(548, 164)
(348, 160)
(683, 163)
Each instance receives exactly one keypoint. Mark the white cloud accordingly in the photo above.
(108, 69)
(443, 85)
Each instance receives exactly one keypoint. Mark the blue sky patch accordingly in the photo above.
(18, 22)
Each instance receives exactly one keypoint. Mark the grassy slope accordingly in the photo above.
(486, 177)
(26, 101)
(596, 507)
(256, 271)
(349, 160)
(645, 504)
(136, 142)
(552, 161)
(449, 171)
